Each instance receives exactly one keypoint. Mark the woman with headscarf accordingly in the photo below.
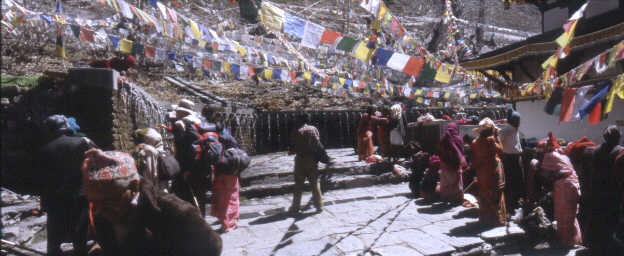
(566, 190)
(451, 151)
(604, 199)
(487, 149)
(150, 156)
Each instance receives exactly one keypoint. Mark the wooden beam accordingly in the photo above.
(525, 71)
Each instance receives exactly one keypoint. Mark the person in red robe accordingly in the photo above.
(566, 190)
(364, 133)
(451, 151)
(490, 181)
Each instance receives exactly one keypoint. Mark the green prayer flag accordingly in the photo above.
(76, 30)
(346, 44)
(428, 73)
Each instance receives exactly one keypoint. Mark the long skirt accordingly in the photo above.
(225, 202)
(491, 183)
(365, 145)
(451, 185)
(566, 195)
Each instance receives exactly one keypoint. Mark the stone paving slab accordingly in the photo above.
(382, 224)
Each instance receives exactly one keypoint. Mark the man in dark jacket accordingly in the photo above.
(59, 163)
(305, 143)
(132, 217)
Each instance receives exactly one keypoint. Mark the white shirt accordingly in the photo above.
(510, 138)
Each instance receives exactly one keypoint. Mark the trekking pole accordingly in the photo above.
(468, 187)
(5, 242)
(193, 195)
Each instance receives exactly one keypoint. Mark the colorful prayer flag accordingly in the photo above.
(312, 35)
(346, 44)
(414, 66)
(330, 36)
(125, 46)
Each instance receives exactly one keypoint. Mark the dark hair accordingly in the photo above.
(302, 118)
(487, 132)
(370, 110)
(467, 138)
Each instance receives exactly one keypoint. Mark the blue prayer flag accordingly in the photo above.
(294, 25)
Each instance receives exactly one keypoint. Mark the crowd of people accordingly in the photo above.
(506, 173)
(152, 201)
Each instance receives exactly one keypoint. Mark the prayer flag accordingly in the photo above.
(195, 29)
(60, 46)
(413, 66)
(382, 56)
(227, 68)
(235, 69)
(346, 44)
(398, 61)
(550, 62)
(307, 76)
(171, 55)
(272, 16)
(268, 74)
(362, 52)
(579, 13)
(598, 97)
(216, 66)
(567, 104)
(161, 54)
(312, 35)
(124, 8)
(277, 74)
(444, 74)
(372, 6)
(125, 46)
(330, 36)
(427, 73)
(294, 25)
(150, 51)
(617, 89)
(596, 114)
(137, 49)
(75, 30)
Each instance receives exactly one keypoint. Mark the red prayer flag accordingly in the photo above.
(362, 84)
(150, 51)
(596, 115)
(86, 34)
(413, 66)
(330, 36)
(207, 63)
(293, 76)
(252, 71)
(567, 104)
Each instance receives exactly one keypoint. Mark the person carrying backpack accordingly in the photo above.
(226, 185)
(152, 160)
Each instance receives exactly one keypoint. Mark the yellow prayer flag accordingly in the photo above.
(242, 51)
(202, 44)
(60, 51)
(227, 67)
(268, 73)
(335, 86)
(125, 46)
(419, 99)
(341, 80)
(382, 10)
(550, 62)
(473, 96)
(307, 76)
(616, 89)
(362, 52)
(444, 74)
(564, 39)
(447, 95)
(194, 29)
(272, 16)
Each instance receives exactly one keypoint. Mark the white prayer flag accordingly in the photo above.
(312, 35)
(398, 61)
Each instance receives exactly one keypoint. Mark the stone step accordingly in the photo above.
(332, 182)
